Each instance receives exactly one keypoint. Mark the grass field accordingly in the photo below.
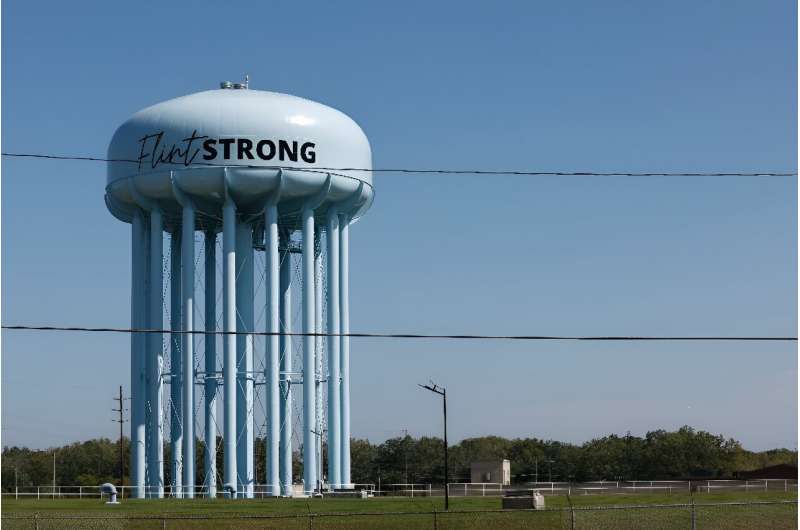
(398, 512)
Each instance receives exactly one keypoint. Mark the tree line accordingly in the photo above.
(658, 455)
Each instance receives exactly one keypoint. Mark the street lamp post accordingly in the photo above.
(442, 392)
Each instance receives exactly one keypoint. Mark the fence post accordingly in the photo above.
(694, 515)
(435, 521)
(785, 485)
(38, 496)
(163, 523)
(16, 493)
(36, 521)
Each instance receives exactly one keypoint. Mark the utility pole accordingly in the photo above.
(436, 389)
(121, 420)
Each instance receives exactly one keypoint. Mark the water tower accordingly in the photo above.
(240, 203)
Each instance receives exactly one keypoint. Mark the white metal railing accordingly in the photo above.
(762, 484)
(409, 489)
(483, 489)
(259, 491)
(475, 489)
(55, 492)
(455, 488)
(549, 487)
(124, 491)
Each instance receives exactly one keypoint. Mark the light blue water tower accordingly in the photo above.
(274, 176)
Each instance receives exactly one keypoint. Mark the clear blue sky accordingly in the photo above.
(604, 86)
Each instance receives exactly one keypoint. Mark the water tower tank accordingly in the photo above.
(263, 172)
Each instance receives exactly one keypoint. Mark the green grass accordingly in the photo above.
(294, 513)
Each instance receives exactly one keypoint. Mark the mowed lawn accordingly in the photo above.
(398, 512)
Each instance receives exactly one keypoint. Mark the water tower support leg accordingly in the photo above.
(229, 340)
(244, 347)
(334, 416)
(156, 351)
(318, 345)
(250, 449)
(211, 364)
(175, 392)
(309, 395)
(344, 300)
(138, 389)
(285, 344)
(272, 375)
(187, 257)
(147, 361)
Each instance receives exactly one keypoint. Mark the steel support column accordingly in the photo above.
(138, 349)
(229, 341)
(176, 375)
(285, 344)
(148, 363)
(187, 347)
(156, 353)
(309, 366)
(344, 303)
(244, 358)
(318, 345)
(334, 387)
(210, 461)
(272, 369)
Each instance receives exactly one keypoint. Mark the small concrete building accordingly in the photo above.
(491, 471)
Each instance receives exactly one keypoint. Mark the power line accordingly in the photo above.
(426, 171)
(416, 335)
(408, 335)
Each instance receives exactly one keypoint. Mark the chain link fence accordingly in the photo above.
(728, 515)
